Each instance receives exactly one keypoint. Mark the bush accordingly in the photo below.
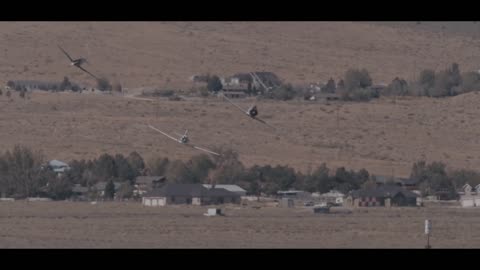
(398, 87)
(355, 78)
(117, 87)
(65, 84)
(103, 84)
(163, 92)
(284, 92)
(470, 81)
(214, 84)
(330, 87)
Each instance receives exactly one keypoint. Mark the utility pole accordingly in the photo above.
(428, 227)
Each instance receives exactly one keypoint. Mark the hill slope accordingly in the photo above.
(161, 53)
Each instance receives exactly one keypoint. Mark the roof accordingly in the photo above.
(102, 185)
(193, 190)
(57, 163)
(79, 189)
(383, 191)
(148, 179)
(232, 188)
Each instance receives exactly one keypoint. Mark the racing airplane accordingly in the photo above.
(77, 62)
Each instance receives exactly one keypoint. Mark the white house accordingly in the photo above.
(470, 197)
(58, 166)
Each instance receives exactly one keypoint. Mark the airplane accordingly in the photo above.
(183, 140)
(77, 62)
(252, 112)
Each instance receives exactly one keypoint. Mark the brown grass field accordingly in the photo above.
(130, 225)
(382, 136)
(166, 54)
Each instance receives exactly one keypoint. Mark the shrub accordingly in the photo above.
(214, 84)
(355, 78)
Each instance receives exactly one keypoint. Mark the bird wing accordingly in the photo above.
(244, 111)
(165, 134)
(65, 53)
(87, 72)
(205, 150)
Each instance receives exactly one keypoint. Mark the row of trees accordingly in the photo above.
(24, 173)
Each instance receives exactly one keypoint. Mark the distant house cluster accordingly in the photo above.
(386, 196)
(190, 194)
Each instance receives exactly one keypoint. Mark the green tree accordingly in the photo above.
(136, 161)
(330, 87)
(158, 166)
(65, 84)
(103, 84)
(58, 188)
(125, 191)
(214, 84)
(319, 180)
(200, 166)
(105, 167)
(123, 170)
(109, 190)
(355, 78)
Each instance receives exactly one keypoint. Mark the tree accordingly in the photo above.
(319, 180)
(58, 188)
(136, 161)
(103, 84)
(330, 87)
(23, 171)
(125, 191)
(398, 87)
(355, 78)
(284, 92)
(178, 172)
(214, 84)
(8, 94)
(123, 170)
(470, 81)
(200, 166)
(228, 168)
(65, 84)
(427, 78)
(109, 190)
(158, 166)
(105, 167)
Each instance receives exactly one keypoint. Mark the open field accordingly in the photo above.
(382, 136)
(124, 225)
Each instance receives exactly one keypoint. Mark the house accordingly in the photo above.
(79, 193)
(382, 196)
(145, 183)
(232, 87)
(232, 188)
(332, 197)
(193, 194)
(58, 166)
(469, 197)
(99, 187)
(294, 194)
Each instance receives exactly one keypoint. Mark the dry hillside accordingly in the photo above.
(162, 53)
(382, 136)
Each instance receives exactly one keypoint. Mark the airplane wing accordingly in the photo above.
(205, 150)
(163, 133)
(65, 53)
(263, 122)
(87, 72)
(244, 111)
